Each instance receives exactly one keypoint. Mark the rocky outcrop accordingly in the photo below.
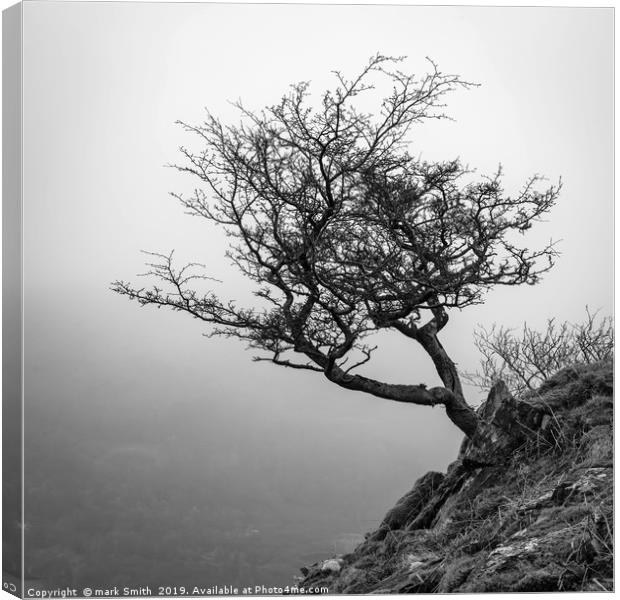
(527, 505)
(410, 505)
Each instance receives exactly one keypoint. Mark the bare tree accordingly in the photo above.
(524, 360)
(345, 233)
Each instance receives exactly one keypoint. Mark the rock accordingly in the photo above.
(450, 485)
(333, 565)
(410, 505)
(499, 556)
(505, 424)
(416, 562)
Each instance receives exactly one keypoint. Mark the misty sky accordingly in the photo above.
(104, 84)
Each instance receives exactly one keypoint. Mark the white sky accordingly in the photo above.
(103, 86)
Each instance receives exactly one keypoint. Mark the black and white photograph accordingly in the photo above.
(307, 299)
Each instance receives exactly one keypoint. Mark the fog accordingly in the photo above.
(157, 456)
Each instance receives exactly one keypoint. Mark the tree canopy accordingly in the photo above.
(345, 233)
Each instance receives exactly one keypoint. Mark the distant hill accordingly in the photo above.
(526, 507)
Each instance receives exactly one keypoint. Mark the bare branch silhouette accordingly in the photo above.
(345, 233)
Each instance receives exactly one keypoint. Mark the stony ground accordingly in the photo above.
(528, 505)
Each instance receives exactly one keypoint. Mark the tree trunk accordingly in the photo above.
(451, 396)
(459, 412)
(444, 365)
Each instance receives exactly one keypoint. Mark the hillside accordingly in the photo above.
(527, 506)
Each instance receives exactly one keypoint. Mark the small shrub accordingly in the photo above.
(523, 360)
